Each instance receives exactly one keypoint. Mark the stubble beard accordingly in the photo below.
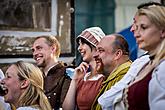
(42, 64)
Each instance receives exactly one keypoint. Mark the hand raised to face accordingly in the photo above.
(81, 70)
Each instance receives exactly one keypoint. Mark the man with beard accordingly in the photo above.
(112, 58)
(46, 50)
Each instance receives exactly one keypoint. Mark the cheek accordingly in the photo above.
(89, 55)
(105, 58)
(152, 37)
(11, 86)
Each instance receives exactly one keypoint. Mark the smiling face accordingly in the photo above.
(104, 56)
(147, 35)
(85, 51)
(42, 52)
(12, 83)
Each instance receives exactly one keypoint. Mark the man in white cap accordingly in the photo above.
(86, 82)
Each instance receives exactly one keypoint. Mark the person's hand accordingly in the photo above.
(81, 70)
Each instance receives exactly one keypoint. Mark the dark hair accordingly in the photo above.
(121, 43)
(145, 5)
(86, 42)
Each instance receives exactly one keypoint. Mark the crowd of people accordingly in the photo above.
(106, 79)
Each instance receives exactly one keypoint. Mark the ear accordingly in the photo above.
(118, 54)
(53, 48)
(163, 33)
(24, 84)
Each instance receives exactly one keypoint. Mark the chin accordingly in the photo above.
(39, 63)
(84, 59)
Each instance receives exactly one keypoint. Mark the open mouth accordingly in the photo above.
(98, 60)
(3, 90)
(82, 53)
(37, 58)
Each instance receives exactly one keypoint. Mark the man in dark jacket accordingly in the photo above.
(46, 50)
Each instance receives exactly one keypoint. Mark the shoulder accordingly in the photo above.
(158, 74)
(162, 64)
(160, 68)
(141, 60)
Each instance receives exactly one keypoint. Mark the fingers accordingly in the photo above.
(83, 67)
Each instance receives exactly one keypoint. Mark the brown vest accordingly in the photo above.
(56, 85)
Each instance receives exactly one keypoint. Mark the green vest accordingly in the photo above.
(113, 78)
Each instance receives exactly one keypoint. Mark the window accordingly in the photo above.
(22, 20)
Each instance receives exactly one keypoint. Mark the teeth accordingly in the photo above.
(82, 53)
(38, 59)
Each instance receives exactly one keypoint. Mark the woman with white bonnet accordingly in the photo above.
(86, 82)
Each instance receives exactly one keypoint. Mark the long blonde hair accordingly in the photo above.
(34, 94)
(156, 14)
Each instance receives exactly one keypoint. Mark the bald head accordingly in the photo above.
(116, 41)
(111, 52)
(107, 41)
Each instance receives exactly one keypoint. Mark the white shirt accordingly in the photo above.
(157, 88)
(94, 78)
(26, 108)
(114, 95)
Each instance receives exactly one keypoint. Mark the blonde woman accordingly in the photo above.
(147, 90)
(24, 83)
(3, 105)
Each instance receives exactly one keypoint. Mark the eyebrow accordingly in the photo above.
(99, 48)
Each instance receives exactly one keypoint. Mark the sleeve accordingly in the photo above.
(157, 88)
(65, 88)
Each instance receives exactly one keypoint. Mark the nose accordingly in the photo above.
(132, 28)
(34, 52)
(95, 55)
(80, 48)
(136, 33)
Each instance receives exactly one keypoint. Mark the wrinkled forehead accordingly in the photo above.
(40, 41)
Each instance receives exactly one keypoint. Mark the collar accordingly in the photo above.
(54, 67)
(122, 69)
